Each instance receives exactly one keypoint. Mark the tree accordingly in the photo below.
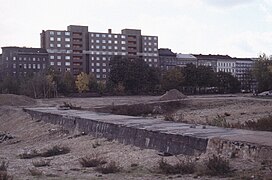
(82, 82)
(172, 79)
(227, 83)
(262, 73)
(133, 74)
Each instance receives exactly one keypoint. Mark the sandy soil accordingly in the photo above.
(30, 134)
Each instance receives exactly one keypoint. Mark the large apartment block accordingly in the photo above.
(20, 61)
(78, 50)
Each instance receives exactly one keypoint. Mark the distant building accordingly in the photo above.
(184, 59)
(167, 59)
(20, 61)
(78, 50)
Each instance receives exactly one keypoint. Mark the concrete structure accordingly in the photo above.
(78, 50)
(165, 136)
(20, 61)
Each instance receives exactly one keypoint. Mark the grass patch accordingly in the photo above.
(263, 124)
(112, 167)
(217, 165)
(55, 151)
(219, 121)
(182, 167)
(92, 161)
(41, 163)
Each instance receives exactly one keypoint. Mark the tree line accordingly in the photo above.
(133, 77)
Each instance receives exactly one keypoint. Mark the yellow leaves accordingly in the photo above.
(82, 82)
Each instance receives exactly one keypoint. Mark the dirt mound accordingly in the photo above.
(15, 100)
(173, 94)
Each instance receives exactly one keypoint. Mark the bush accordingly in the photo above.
(41, 163)
(4, 171)
(219, 121)
(182, 167)
(56, 150)
(263, 124)
(112, 167)
(29, 155)
(92, 161)
(216, 165)
(35, 172)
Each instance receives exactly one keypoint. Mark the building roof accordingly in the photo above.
(211, 56)
(186, 56)
(25, 49)
(166, 52)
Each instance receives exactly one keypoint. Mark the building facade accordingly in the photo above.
(21, 61)
(78, 50)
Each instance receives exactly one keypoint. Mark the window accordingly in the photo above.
(103, 64)
(103, 41)
(51, 45)
(109, 41)
(14, 66)
(67, 63)
(149, 38)
(92, 35)
(97, 58)
(92, 64)
(34, 66)
(52, 63)
(14, 58)
(58, 33)
(24, 58)
(97, 35)
(34, 59)
(115, 42)
(51, 32)
(25, 66)
(51, 57)
(67, 39)
(115, 47)
(59, 63)
(92, 47)
(20, 58)
(58, 45)
(123, 53)
(97, 64)
(51, 38)
(97, 41)
(58, 57)
(123, 42)
(92, 70)
(97, 70)
(98, 76)
(110, 47)
(67, 45)
(103, 47)
(155, 60)
(104, 75)
(115, 36)
(109, 35)
(155, 38)
(97, 47)
(104, 70)
(103, 35)
(67, 57)
(43, 66)
(92, 58)
(7, 58)
(115, 53)
(67, 33)
(29, 66)
(155, 49)
(58, 39)
(38, 66)
(104, 58)
(123, 36)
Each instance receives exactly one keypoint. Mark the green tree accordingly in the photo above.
(172, 79)
(82, 82)
(262, 73)
(227, 83)
(66, 83)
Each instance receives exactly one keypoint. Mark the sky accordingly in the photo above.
(239, 28)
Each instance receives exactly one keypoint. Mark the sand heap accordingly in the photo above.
(173, 94)
(15, 100)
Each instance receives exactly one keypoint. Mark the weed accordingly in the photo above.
(169, 117)
(263, 124)
(40, 163)
(216, 165)
(112, 167)
(56, 150)
(35, 172)
(182, 167)
(219, 121)
(92, 161)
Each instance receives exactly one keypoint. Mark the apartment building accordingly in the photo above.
(20, 61)
(78, 50)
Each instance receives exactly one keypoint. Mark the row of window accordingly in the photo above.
(59, 45)
(98, 58)
(60, 63)
(226, 64)
(150, 49)
(150, 44)
(107, 53)
(98, 64)
(226, 70)
(107, 47)
(98, 70)
(150, 38)
(59, 33)
(59, 39)
(109, 41)
(107, 35)
(25, 58)
(29, 66)
(150, 60)
(59, 57)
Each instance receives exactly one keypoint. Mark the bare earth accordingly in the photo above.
(136, 163)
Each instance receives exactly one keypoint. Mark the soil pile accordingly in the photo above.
(15, 100)
(173, 94)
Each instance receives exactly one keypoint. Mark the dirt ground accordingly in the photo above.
(136, 163)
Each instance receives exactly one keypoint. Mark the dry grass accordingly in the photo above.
(4, 171)
(55, 151)
(182, 167)
(217, 165)
(35, 172)
(112, 167)
(41, 163)
(92, 161)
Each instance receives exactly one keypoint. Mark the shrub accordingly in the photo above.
(112, 167)
(182, 167)
(35, 172)
(92, 161)
(56, 150)
(216, 165)
(263, 124)
(70, 106)
(4, 171)
(169, 117)
(219, 121)
(41, 163)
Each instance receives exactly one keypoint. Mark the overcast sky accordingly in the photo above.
(239, 28)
